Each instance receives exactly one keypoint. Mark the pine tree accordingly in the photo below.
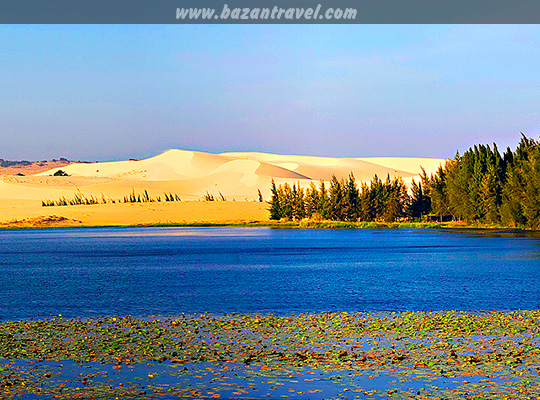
(489, 196)
(418, 205)
(324, 202)
(395, 200)
(530, 197)
(336, 196)
(312, 200)
(298, 208)
(351, 199)
(438, 192)
(378, 195)
(366, 210)
(275, 203)
(480, 186)
(287, 202)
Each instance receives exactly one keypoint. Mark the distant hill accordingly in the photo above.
(8, 167)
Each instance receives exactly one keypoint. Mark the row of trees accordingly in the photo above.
(480, 186)
(485, 186)
(343, 200)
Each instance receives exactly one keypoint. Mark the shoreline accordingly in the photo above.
(56, 222)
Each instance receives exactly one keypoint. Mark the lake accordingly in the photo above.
(163, 271)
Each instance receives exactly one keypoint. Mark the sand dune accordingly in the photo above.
(410, 164)
(322, 168)
(189, 174)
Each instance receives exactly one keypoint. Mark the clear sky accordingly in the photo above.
(129, 91)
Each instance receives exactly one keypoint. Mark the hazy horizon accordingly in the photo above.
(100, 93)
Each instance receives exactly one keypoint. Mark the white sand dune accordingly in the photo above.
(409, 164)
(322, 168)
(191, 174)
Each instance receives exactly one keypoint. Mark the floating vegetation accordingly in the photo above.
(445, 354)
(133, 197)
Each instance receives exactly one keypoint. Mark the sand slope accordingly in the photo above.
(189, 174)
(322, 168)
(172, 165)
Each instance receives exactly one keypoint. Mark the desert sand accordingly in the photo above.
(187, 174)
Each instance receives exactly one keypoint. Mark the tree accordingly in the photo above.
(395, 200)
(419, 204)
(480, 186)
(489, 196)
(287, 201)
(324, 202)
(366, 209)
(312, 201)
(377, 197)
(336, 200)
(351, 199)
(275, 203)
(530, 194)
(438, 192)
(298, 210)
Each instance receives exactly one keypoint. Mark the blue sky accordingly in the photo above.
(132, 91)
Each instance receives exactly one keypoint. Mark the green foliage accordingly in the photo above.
(312, 201)
(344, 201)
(351, 199)
(484, 187)
(275, 204)
(60, 173)
(298, 208)
(336, 199)
(286, 201)
(419, 204)
(397, 199)
(480, 187)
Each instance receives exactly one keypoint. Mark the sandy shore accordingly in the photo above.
(30, 213)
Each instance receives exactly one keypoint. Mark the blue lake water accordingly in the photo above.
(157, 271)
